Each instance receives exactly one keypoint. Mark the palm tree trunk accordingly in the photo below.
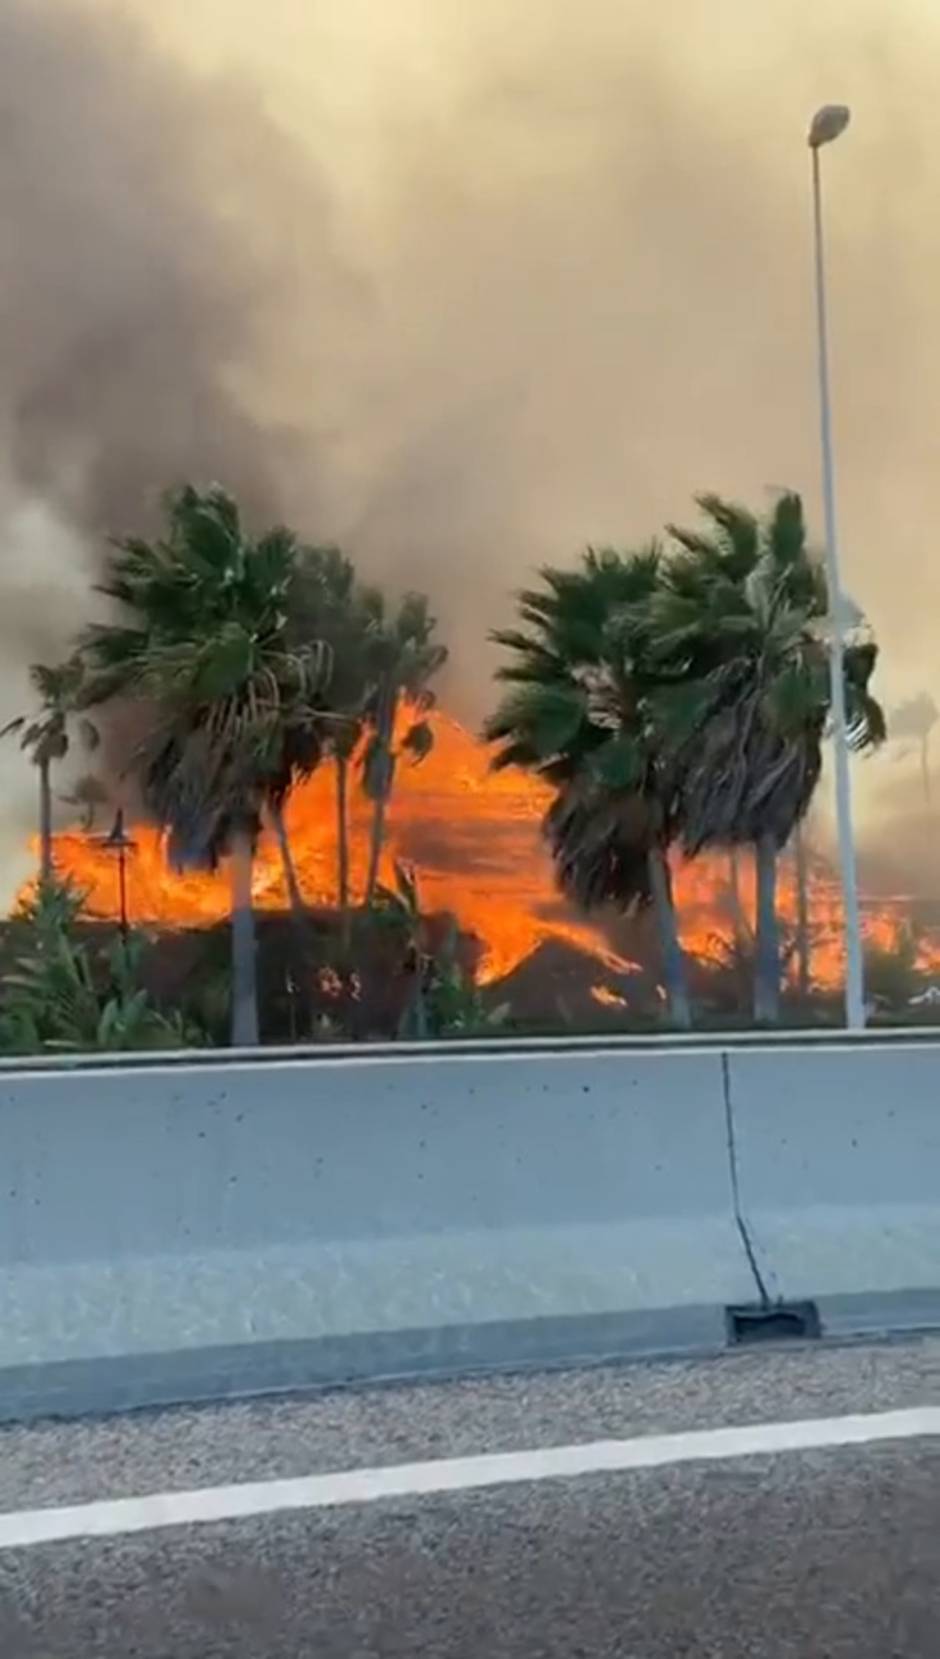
(299, 923)
(673, 960)
(802, 915)
(376, 840)
(45, 823)
(925, 769)
(421, 1015)
(244, 946)
(298, 908)
(342, 848)
(737, 908)
(767, 959)
(413, 1024)
(741, 928)
(384, 736)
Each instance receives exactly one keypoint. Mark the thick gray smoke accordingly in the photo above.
(464, 285)
(150, 226)
(150, 229)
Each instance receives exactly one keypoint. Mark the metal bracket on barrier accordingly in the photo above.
(772, 1322)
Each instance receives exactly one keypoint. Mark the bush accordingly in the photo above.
(61, 995)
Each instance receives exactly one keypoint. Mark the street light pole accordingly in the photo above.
(118, 841)
(828, 123)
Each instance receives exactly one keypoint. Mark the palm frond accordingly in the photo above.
(600, 846)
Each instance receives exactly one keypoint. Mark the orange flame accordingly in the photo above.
(608, 998)
(474, 837)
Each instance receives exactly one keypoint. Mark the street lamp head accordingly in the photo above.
(828, 123)
(117, 838)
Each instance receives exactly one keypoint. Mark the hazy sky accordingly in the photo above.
(466, 285)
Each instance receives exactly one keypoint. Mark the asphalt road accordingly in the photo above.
(825, 1553)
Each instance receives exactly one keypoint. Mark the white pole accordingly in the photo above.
(854, 978)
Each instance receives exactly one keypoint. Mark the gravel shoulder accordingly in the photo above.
(76, 1462)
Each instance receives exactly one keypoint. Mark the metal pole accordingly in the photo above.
(854, 979)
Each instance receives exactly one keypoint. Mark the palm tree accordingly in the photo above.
(45, 737)
(231, 708)
(330, 604)
(402, 904)
(740, 621)
(582, 715)
(403, 658)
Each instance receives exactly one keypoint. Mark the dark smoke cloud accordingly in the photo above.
(148, 228)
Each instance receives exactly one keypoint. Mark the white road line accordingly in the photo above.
(113, 1518)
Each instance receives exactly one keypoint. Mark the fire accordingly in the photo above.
(703, 896)
(608, 998)
(474, 838)
(472, 835)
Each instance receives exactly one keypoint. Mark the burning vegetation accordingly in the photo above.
(475, 838)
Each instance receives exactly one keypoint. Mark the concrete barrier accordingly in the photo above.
(171, 1232)
(174, 1231)
(838, 1173)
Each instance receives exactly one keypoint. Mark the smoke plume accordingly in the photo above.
(463, 286)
